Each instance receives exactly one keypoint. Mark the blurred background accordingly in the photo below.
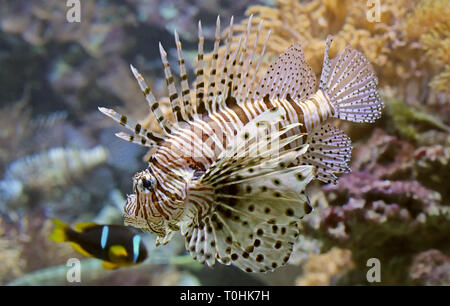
(59, 157)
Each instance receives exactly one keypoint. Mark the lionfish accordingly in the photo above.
(230, 173)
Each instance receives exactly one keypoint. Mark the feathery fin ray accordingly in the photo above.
(254, 237)
(329, 151)
(351, 85)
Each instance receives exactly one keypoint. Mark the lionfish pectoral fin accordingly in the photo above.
(136, 139)
(329, 151)
(258, 137)
(153, 104)
(351, 85)
(259, 198)
(166, 238)
(254, 224)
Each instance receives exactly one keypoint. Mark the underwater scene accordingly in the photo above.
(214, 142)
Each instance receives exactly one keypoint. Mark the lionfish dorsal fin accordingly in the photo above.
(326, 63)
(289, 74)
(199, 84)
(232, 73)
(225, 86)
(146, 137)
(185, 91)
(164, 123)
(244, 58)
(212, 84)
(249, 85)
(173, 92)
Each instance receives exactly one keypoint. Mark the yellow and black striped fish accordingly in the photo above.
(230, 173)
(115, 245)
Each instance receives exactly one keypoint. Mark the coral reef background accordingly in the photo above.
(59, 157)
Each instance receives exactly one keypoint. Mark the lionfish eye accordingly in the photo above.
(147, 183)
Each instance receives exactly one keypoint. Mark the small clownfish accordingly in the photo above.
(115, 245)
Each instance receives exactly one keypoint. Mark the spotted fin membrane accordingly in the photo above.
(289, 81)
(329, 150)
(259, 200)
(351, 85)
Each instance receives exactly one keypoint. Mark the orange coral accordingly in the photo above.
(320, 270)
(430, 24)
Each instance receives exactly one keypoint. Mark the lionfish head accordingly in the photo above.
(152, 207)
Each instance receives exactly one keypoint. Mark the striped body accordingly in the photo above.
(194, 148)
(202, 140)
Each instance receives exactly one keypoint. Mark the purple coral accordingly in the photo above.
(385, 207)
(431, 268)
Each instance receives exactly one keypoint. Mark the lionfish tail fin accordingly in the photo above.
(351, 85)
(329, 151)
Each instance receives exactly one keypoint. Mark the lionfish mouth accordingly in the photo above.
(151, 209)
(133, 218)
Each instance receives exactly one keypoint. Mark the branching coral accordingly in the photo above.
(430, 24)
(431, 268)
(323, 269)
